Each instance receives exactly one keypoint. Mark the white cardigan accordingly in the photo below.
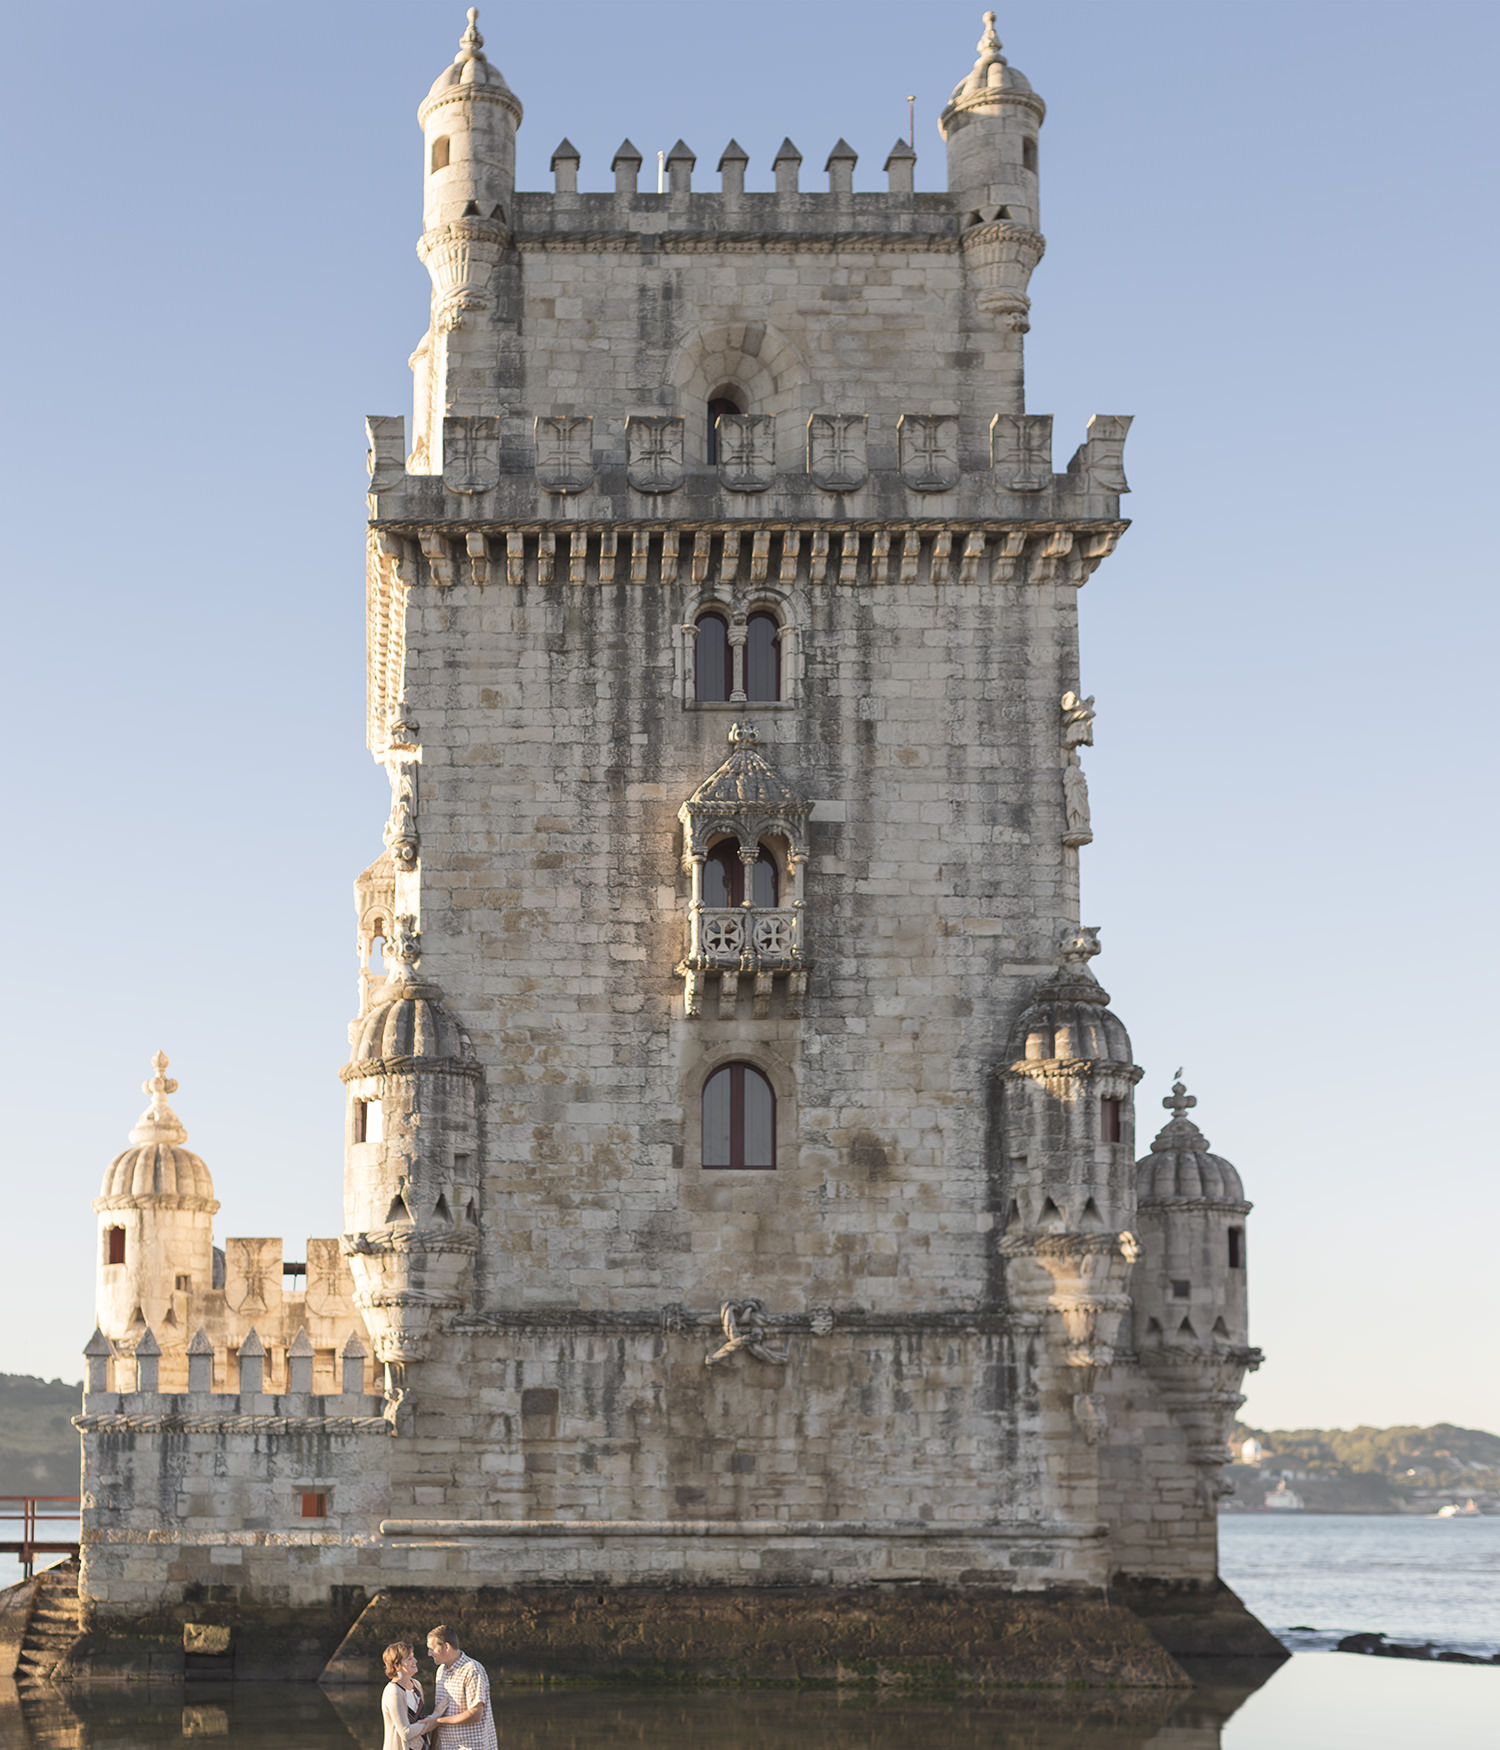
(394, 1712)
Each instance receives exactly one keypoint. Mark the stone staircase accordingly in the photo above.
(53, 1626)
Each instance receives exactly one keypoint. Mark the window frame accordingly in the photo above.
(736, 1068)
(735, 608)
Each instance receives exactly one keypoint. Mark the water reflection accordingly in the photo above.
(304, 1716)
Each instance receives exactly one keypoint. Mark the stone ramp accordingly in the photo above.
(1202, 1623)
(913, 1636)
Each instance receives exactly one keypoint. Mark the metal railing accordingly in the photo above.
(32, 1515)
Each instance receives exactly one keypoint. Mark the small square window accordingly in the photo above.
(315, 1504)
(1236, 1248)
(1181, 1290)
(114, 1244)
(1109, 1120)
(184, 1284)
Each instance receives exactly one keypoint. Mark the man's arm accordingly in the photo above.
(481, 1683)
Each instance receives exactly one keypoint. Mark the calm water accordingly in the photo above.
(1311, 1578)
(1412, 1579)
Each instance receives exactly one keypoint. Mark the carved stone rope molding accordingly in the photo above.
(745, 1327)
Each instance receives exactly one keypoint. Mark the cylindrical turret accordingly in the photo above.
(411, 1184)
(1189, 1286)
(469, 120)
(991, 126)
(156, 1211)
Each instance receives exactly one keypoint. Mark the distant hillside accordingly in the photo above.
(38, 1444)
(1371, 1470)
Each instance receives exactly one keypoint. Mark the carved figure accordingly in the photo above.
(401, 829)
(1076, 801)
(1078, 720)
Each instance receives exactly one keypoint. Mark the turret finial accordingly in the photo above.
(989, 44)
(471, 43)
(159, 1123)
(1179, 1102)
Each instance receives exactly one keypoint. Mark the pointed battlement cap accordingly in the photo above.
(991, 78)
(471, 74)
(1180, 1165)
(157, 1169)
(733, 153)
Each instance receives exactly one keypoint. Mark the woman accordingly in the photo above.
(401, 1702)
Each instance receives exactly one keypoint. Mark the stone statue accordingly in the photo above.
(1076, 800)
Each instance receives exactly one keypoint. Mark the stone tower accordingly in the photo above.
(739, 1157)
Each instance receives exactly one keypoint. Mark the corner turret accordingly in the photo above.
(991, 125)
(469, 120)
(156, 1209)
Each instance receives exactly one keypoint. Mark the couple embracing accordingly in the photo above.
(461, 1716)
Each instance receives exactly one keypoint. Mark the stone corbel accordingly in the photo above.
(479, 557)
(439, 556)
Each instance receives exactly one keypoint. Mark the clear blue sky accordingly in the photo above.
(1271, 237)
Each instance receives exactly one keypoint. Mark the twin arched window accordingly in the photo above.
(714, 659)
(739, 1119)
(724, 877)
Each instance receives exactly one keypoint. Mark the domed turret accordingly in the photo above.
(469, 120)
(1068, 1085)
(156, 1208)
(991, 125)
(1190, 1284)
(412, 1188)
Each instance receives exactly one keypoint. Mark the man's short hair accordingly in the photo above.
(442, 1634)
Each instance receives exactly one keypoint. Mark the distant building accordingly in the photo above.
(741, 1151)
(1252, 1452)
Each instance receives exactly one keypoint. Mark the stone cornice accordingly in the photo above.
(667, 242)
(172, 1424)
(820, 1321)
(762, 1530)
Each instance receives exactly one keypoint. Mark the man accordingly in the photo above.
(461, 1696)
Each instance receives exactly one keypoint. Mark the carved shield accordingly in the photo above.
(653, 453)
(565, 453)
(471, 453)
(929, 451)
(1021, 451)
(386, 456)
(1103, 453)
(747, 451)
(836, 453)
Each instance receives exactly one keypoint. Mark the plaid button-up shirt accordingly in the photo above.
(457, 1689)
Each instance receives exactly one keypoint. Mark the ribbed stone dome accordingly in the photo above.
(1180, 1164)
(991, 72)
(158, 1166)
(1068, 1017)
(411, 1023)
(470, 70)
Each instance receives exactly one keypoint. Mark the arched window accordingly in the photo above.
(714, 675)
(762, 658)
(739, 1119)
(440, 152)
(717, 407)
(724, 877)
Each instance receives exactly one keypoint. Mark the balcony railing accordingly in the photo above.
(745, 938)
